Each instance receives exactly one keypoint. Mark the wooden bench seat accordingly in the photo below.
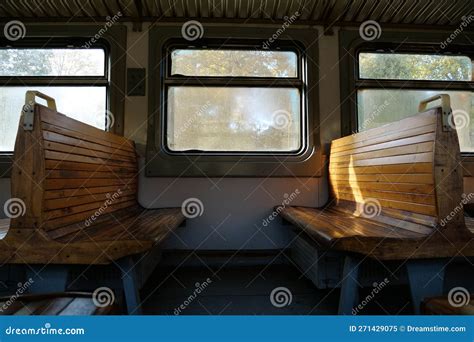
(395, 194)
(441, 306)
(76, 187)
(146, 226)
(333, 225)
(54, 304)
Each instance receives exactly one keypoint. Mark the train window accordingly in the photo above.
(68, 75)
(234, 101)
(390, 85)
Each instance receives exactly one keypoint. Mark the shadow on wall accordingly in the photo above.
(230, 213)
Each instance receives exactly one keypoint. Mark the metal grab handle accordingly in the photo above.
(31, 95)
(445, 106)
(445, 102)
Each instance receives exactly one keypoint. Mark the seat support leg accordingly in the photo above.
(349, 286)
(47, 278)
(426, 278)
(130, 286)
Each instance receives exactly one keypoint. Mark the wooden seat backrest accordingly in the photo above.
(69, 174)
(406, 174)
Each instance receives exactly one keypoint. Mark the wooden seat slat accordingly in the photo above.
(428, 199)
(104, 223)
(54, 155)
(80, 191)
(73, 201)
(58, 165)
(409, 188)
(429, 210)
(80, 151)
(53, 220)
(427, 137)
(59, 174)
(53, 118)
(143, 225)
(331, 226)
(66, 140)
(400, 215)
(419, 168)
(388, 152)
(424, 157)
(86, 139)
(420, 120)
(67, 183)
(386, 137)
(422, 178)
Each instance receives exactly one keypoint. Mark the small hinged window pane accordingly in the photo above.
(234, 63)
(424, 67)
(52, 62)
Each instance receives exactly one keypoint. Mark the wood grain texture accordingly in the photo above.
(409, 174)
(54, 304)
(79, 185)
(441, 306)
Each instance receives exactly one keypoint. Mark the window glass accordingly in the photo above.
(243, 63)
(86, 104)
(380, 106)
(398, 66)
(52, 62)
(233, 119)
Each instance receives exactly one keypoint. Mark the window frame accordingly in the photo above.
(113, 41)
(351, 44)
(170, 80)
(159, 163)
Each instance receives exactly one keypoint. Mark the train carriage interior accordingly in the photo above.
(236, 157)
